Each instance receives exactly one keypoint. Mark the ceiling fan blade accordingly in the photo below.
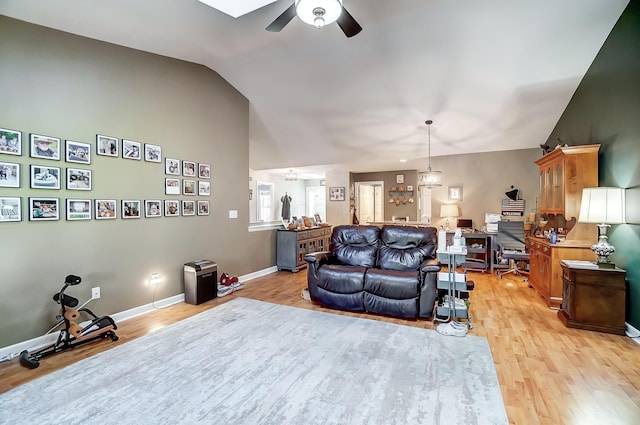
(282, 20)
(347, 24)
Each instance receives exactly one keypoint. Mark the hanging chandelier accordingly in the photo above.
(290, 176)
(430, 178)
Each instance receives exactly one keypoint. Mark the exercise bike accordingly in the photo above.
(72, 335)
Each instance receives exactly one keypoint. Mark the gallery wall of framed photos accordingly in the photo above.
(58, 168)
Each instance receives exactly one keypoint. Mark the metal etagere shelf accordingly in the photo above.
(453, 306)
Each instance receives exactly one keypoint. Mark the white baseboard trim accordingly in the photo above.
(13, 351)
(632, 332)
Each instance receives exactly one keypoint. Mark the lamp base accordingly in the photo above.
(603, 249)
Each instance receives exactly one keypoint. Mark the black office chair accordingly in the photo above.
(511, 245)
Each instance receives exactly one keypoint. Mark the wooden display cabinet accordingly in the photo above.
(293, 245)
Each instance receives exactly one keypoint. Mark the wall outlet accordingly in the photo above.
(95, 293)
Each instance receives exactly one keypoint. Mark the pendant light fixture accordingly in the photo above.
(430, 178)
(290, 176)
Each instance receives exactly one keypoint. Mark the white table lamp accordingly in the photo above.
(603, 206)
(448, 211)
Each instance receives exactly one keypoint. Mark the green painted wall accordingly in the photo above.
(605, 109)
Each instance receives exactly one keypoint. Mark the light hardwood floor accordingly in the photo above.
(548, 374)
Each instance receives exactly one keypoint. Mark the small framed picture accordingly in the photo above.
(455, 193)
(107, 145)
(152, 153)
(188, 187)
(45, 147)
(171, 186)
(399, 178)
(152, 208)
(43, 209)
(9, 174)
(171, 208)
(10, 142)
(336, 194)
(78, 179)
(10, 209)
(45, 177)
(204, 188)
(78, 209)
(172, 166)
(317, 218)
(130, 208)
(131, 150)
(203, 207)
(78, 152)
(409, 188)
(188, 169)
(106, 209)
(204, 171)
(188, 207)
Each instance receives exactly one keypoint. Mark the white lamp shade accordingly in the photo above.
(430, 179)
(449, 210)
(602, 205)
(305, 10)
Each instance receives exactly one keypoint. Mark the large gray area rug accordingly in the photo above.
(252, 362)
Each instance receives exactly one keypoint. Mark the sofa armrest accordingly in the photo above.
(318, 258)
(428, 286)
(314, 261)
(430, 265)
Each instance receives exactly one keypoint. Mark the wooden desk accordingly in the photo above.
(593, 299)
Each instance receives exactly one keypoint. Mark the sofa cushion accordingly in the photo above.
(405, 247)
(355, 245)
(341, 286)
(392, 292)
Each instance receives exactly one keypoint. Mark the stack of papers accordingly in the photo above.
(580, 264)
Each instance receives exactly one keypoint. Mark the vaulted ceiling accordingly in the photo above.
(492, 75)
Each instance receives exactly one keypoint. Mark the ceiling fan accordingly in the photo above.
(318, 13)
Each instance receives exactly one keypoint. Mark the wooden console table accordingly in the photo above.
(293, 245)
(593, 299)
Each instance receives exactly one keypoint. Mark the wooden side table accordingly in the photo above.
(593, 298)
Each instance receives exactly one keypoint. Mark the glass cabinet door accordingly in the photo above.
(558, 187)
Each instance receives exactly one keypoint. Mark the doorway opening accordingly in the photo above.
(369, 201)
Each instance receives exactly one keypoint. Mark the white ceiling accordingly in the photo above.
(492, 74)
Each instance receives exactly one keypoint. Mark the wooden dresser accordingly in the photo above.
(564, 172)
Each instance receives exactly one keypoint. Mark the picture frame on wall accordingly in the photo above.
(131, 150)
(44, 209)
(172, 166)
(399, 178)
(172, 186)
(106, 209)
(43, 177)
(189, 187)
(107, 145)
(10, 208)
(9, 174)
(188, 208)
(203, 207)
(204, 188)
(171, 208)
(78, 209)
(10, 142)
(204, 171)
(77, 152)
(188, 169)
(130, 208)
(152, 208)
(78, 179)
(152, 153)
(44, 147)
(455, 193)
(336, 193)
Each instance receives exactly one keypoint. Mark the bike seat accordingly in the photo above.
(67, 300)
(72, 280)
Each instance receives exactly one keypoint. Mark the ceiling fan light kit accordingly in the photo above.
(318, 12)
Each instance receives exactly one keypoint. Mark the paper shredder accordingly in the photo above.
(200, 281)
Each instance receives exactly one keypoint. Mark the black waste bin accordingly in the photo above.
(200, 281)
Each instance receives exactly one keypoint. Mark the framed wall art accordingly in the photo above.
(171, 186)
(130, 209)
(152, 153)
(171, 208)
(131, 149)
(78, 179)
(188, 187)
(106, 209)
(399, 178)
(44, 147)
(172, 166)
(204, 188)
(336, 193)
(43, 177)
(78, 152)
(43, 209)
(78, 209)
(203, 207)
(10, 209)
(10, 142)
(188, 169)
(9, 174)
(204, 171)
(152, 208)
(455, 193)
(107, 145)
(188, 207)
